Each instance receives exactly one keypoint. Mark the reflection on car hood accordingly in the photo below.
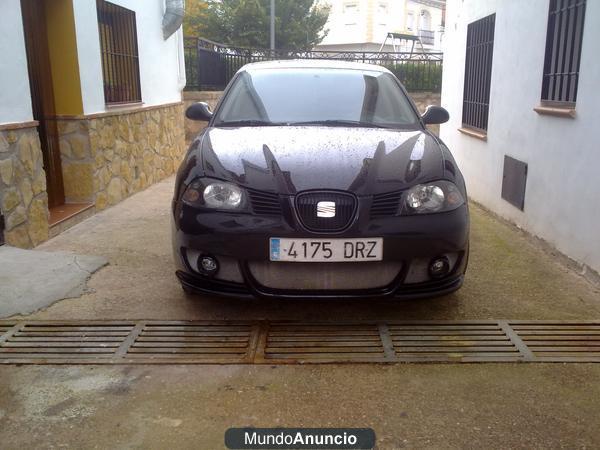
(292, 159)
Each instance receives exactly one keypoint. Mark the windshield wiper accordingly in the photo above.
(247, 123)
(340, 123)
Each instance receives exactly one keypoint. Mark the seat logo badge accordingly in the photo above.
(326, 209)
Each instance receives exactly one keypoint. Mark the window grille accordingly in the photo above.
(478, 73)
(119, 49)
(563, 51)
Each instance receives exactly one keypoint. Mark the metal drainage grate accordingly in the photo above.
(48, 341)
(563, 341)
(212, 341)
(278, 342)
(451, 341)
(291, 342)
(4, 327)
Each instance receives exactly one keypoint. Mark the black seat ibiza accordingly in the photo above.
(319, 179)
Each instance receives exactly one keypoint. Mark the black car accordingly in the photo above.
(319, 179)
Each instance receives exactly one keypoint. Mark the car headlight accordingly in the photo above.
(214, 194)
(437, 196)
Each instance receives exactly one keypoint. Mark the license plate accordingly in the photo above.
(326, 250)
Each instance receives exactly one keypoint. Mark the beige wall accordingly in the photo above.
(23, 198)
(105, 158)
(108, 157)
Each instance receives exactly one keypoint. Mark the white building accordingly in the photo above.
(362, 25)
(90, 108)
(521, 84)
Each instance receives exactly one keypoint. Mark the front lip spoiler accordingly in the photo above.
(203, 285)
(213, 286)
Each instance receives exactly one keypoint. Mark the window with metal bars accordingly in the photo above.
(563, 51)
(119, 48)
(478, 73)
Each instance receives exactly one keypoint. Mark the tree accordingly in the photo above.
(299, 24)
(194, 21)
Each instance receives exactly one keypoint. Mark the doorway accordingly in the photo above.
(42, 96)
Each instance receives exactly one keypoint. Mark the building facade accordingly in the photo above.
(90, 109)
(362, 25)
(522, 123)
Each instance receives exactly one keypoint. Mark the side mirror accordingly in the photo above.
(199, 111)
(434, 115)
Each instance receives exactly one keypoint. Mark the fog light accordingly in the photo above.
(439, 267)
(208, 265)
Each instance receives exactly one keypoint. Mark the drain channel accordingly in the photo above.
(280, 342)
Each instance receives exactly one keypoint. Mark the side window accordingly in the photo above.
(563, 51)
(478, 73)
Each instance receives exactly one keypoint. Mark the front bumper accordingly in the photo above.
(244, 240)
(204, 285)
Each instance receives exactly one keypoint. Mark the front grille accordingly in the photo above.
(265, 203)
(345, 210)
(386, 204)
(324, 276)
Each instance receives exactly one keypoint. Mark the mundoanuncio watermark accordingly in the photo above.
(300, 438)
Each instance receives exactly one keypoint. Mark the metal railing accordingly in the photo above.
(210, 65)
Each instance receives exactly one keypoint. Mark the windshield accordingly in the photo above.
(316, 96)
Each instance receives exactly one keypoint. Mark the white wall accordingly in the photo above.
(341, 32)
(160, 70)
(15, 97)
(435, 22)
(562, 201)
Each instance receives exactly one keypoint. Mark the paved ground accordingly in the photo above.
(33, 279)
(409, 406)
(508, 278)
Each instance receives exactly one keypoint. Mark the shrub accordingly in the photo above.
(418, 75)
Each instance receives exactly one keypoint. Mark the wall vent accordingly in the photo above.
(514, 180)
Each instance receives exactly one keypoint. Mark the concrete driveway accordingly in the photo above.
(509, 277)
(408, 406)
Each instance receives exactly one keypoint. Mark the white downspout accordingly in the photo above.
(181, 78)
(173, 17)
(171, 24)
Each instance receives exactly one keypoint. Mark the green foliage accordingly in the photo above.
(245, 23)
(195, 17)
(418, 75)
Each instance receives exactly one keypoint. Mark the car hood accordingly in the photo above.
(291, 159)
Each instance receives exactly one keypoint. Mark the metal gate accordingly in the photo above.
(210, 65)
(211, 70)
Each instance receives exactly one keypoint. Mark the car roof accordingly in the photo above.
(312, 64)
